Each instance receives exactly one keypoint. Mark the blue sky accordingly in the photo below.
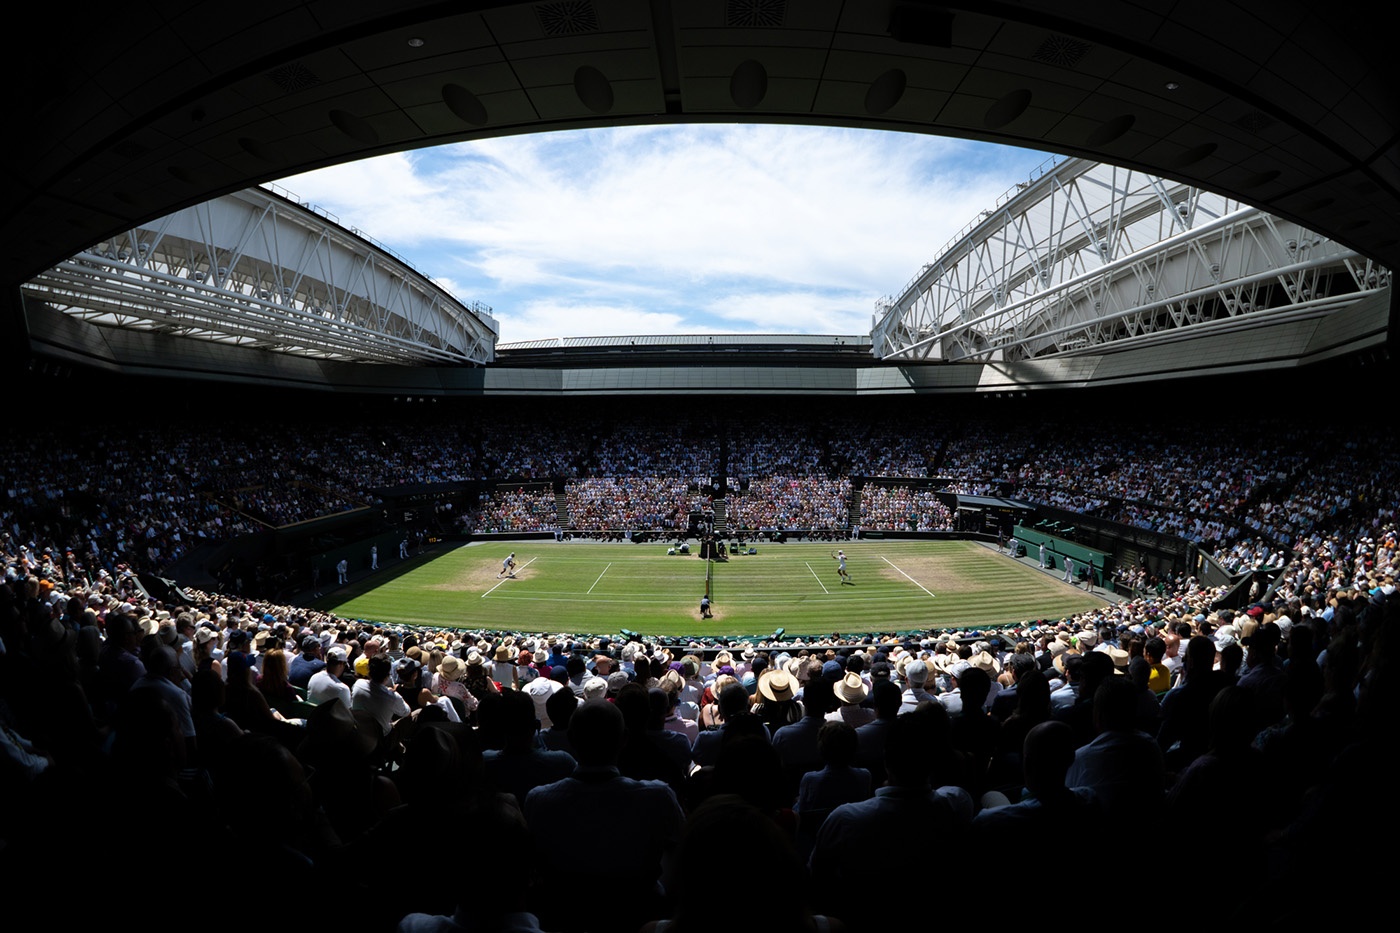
(673, 229)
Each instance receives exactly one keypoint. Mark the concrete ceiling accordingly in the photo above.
(136, 109)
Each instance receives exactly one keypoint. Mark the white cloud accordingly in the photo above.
(805, 312)
(660, 220)
(549, 318)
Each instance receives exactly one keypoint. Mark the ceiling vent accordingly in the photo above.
(567, 18)
(1061, 51)
(755, 13)
(293, 77)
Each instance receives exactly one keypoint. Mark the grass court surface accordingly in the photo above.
(601, 588)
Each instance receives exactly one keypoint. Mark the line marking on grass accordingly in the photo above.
(600, 576)
(906, 576)
(818, 579)
(511, 577)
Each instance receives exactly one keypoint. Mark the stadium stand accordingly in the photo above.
(161, 764)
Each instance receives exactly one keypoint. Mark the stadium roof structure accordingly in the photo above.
(256, 270)
(1280, 104)
(1090, 261)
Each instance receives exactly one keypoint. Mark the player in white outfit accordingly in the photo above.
(840, 558)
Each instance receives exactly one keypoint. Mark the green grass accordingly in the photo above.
(601, 588)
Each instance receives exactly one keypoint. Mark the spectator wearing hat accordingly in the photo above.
(476, 680)
(671, 685)
(915, 675)
(306, 664)
(326, 684)
(595, 689)
(561, 706)
(447, 682)
(503, 669)
(616, 681)
(541, 689)
(206, 644)
(408, 674)
(851, 691)
(777, 704)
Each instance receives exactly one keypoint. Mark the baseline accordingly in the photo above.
(600, 577)
(906, 576)
(511, 577)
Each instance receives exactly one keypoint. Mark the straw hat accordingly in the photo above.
(776, 686)
(851, 689)
(451, 667)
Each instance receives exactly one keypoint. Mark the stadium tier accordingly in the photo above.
(323, 603)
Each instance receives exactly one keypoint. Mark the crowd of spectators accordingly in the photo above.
(792, 502)
(676, 449)
(125, 497)
(1249, 554)
(884, 447)
(901, 508)
(302, 747)
(643, 503)
(503, 511)
(764, 447)
(147, 495)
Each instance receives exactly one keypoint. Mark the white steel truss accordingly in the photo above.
(256, 269)
(1089, 257)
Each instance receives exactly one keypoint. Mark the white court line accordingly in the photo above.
(522, 567)
(600, 576)
(819, 580)
(906, 576)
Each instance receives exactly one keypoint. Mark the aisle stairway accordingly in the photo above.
(561, 505)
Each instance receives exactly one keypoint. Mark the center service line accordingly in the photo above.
(600, 576)
(819, 580)
(511, 577)
(906, 576)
